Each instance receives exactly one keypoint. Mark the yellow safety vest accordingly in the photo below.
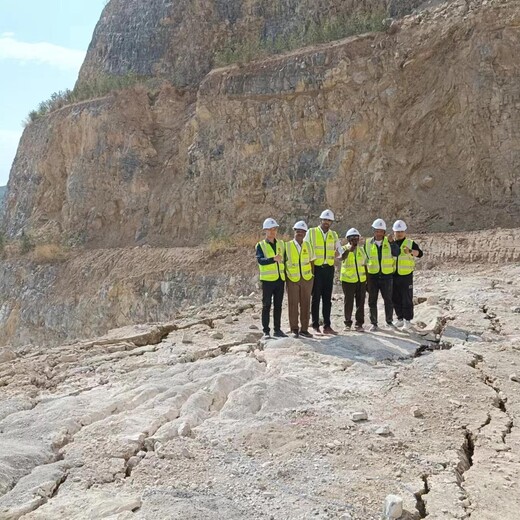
(274, 271)
(298, 262)
(353, 267)
(325, 251)
(405, 263)
(387, 260)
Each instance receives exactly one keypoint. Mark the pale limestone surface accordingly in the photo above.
(108, 429)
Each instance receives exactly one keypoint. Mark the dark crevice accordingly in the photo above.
(58, 485)
(421, 350)
(420, 504)
(507, 431)
(466, 453)
(129, 468)
(469, 447)
(498, 402)
(430, 345)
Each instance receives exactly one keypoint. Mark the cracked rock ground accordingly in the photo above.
(175, 421)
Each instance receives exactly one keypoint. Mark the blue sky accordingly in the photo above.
(42, 46)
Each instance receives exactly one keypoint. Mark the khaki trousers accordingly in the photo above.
(299, 300)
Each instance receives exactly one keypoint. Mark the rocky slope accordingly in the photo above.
(196, 419)
(419, 122)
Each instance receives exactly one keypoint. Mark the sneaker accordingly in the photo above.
(316, 330)
(346, 328)
(329, 330)
(359, 328)
(306, 334)
(373, 328)
(399, 323)
(280, 334)
(266, 336)
(407, 325)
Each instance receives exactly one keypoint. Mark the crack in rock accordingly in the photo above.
(467, 450)
(466, 454)
(420, 503)
(59, 484)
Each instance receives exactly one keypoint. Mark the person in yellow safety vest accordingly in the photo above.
(402, 292)
(353, 279)
(270, 256)
(299, 267)
(381, 252)
(327, 248)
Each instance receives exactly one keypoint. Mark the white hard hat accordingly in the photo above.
(270, 223)
(352, 232)
(399, 225)
(300, 225)
(327, 215)
(379, 223)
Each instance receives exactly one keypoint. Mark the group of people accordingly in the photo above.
(383, 264)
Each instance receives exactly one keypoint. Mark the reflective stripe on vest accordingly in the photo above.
(353, 267)
(298, 262)
(387, 260)
(325, 251)
(405, 262)
(274, 271)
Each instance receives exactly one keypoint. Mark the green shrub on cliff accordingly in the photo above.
(55, 102)
(105, 84)
(315, 32)
(97, 87)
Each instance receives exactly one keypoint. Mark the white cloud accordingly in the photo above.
(8, 145)
(43, 52)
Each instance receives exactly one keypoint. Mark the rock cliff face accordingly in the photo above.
(419, 122)
(179, 40)
(105, 172)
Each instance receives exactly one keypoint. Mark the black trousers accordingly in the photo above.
(322, 291)
(272, 292)
(355, 291)
(402, 296)
(380, 284)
